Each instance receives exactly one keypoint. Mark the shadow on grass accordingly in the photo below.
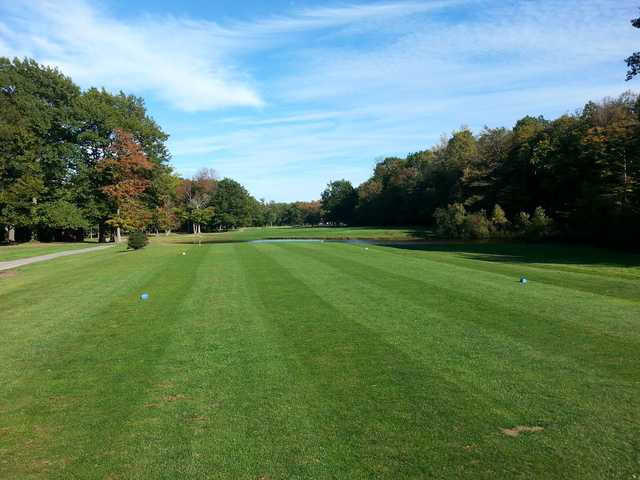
(529, 253)
(424, 240)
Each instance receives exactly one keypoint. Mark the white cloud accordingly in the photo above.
(331, 17)
(503, 46)
(176, 60)
(331, 88)
(190, 64)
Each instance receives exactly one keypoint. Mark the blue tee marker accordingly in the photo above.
(523, 280)
(144, 296)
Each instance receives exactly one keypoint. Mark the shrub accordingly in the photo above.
(450, 221)
(137, 240)
(535, 227)
(499, 218)
(524, 222)
(454, 222)
(476, 226)
(541, 225)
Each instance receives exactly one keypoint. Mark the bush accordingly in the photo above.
(450, 221)
(535, 227)
(499, 219)
(137, 240)
(476, 226)
(454, 222)
(524, 222)
(541, 225)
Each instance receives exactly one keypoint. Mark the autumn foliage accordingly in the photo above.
(126, 169)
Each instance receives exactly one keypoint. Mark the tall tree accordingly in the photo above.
(339, 202)
(37, 139)
(196, 195)
(101, 114)
(233, 205)
(125, 170)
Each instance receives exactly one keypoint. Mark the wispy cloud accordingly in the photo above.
(191, 64)
(337, 16)
(316, 93)
(502, 46)
(176, 60)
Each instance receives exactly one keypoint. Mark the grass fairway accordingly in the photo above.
(334, 233)
(33, 249)
(326, 360)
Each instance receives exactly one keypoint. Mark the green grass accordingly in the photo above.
(336, 233)
(326, 360)
(32, 249)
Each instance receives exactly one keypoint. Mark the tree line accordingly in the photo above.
(577, 176)
(74, 162)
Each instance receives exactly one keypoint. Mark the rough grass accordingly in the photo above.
(33, 249)
(322, 361)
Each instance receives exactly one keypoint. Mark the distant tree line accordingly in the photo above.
(290, 214)
(74, 162)
(577, 176)
(203, 203)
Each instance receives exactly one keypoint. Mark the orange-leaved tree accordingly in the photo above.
(126, 171)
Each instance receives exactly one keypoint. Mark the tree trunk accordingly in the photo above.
(104, 232)
(11, 234)
(167, 232)
(118, 235)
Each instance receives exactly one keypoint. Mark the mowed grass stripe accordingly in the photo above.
(311, 361)
(555, 293)
(94, 372)
(240, 414)
(424, 327)
(620, 282)
(323, 446)
(363, 376)
(42, 309)
(582, 326)
(554, 392)
(136, 441)
(154, 440)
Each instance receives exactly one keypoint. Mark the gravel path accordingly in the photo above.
(41, 258)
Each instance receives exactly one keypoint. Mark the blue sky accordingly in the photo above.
(284, 96)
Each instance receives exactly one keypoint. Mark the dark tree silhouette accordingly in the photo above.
(633, 62)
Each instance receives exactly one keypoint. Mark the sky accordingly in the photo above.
(285, 96)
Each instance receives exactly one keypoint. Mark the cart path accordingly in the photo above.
(21, 262)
